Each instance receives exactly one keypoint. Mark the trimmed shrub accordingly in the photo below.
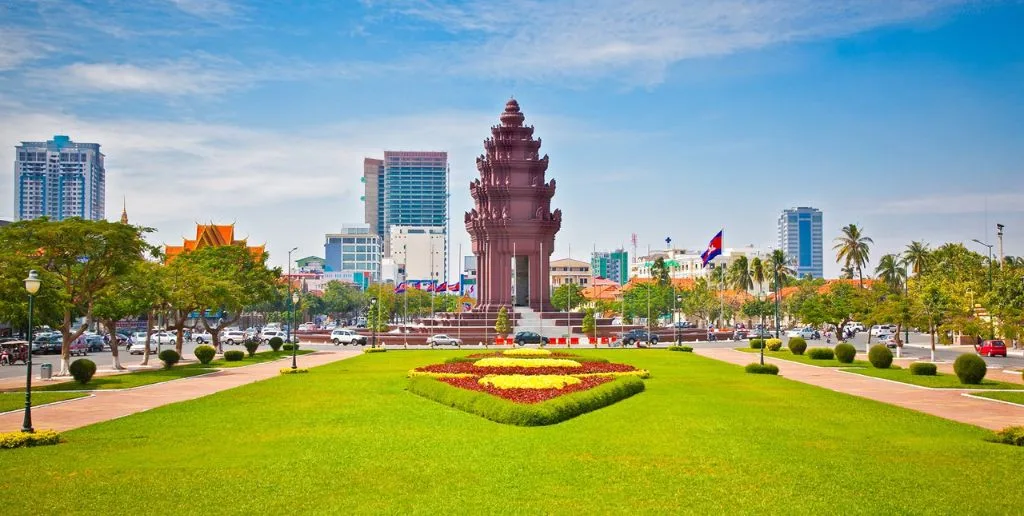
(756, 343)
(773, 344)
(1010, 435)
(923, 369)
(687, 349)
(82, 369)
(276, 343)
(797, 345)
(10, 440)
(169, 357)
(288, 346)
(251, 346)
(821, 354)
(234, 355)
(288, 370)
(845, 353)
(970, 368)
(880, 356)
(205, 354)
(375, 350)
(756, 368)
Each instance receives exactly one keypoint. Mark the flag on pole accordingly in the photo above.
(454, 287)
(714, 249)
(400, 288)
(429, 287)
(443, 287)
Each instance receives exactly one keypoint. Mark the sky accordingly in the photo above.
(661, 118)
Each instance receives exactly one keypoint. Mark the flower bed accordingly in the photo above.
(528, 381)
(526, 362)
(525, 395)
(583, 368)
(526, 352)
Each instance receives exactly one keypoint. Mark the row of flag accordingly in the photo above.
(429, 286)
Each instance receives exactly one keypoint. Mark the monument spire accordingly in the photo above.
(124, 210)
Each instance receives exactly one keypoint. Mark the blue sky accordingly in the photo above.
(661, 118)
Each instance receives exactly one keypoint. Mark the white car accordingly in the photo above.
(346, 336)
(164, 337)
(269, 334)
(444, 340)
(202, 337)
(139, 346)
(806, 333)
(880, 329)
(854, 326)
(232, 337)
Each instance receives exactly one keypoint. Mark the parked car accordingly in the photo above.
(95, 342)
(854, 326)
(346, 336)
(887, 339)
(760, 333)
(682, 325)
(443, 340)
(202, 337)
(807, 333)
(638, 335)
(267, 335)
(139, 346)
(79, 347)
(232, 337)
(47, 343)
(992, 348)
(529, 337)
(879, 329)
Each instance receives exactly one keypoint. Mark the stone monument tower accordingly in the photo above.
(511, 225)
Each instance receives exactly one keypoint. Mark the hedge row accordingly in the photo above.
(687, 349)
(923, 369)
(1011, 435)
(537, 414)
(756, 368)
(821, 354)
(22, 439)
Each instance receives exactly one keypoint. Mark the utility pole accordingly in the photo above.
(999, 235)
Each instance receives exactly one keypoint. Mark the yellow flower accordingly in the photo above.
(522, 381)
(525, 362)
(639, 373)
(526, 352)
(414, 373)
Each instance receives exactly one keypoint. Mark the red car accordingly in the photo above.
(992, 348)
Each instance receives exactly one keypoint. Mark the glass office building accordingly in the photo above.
(800, 236)
(59, 179)
(356, 249)
(613, 266)
(415, 190)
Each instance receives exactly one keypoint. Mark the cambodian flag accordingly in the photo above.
(443, 287)
(714, 249)
(454, 287)
(400, 288)
(429, 287)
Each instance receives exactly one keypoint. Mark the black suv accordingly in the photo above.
(634, 336)
(529, 337)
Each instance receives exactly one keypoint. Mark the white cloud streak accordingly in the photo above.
(967, 203)
(178, 78)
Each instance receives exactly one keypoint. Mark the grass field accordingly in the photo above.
(785, 354)
(16, 400)
(940, 380)
(1012, 397)
(347, 438)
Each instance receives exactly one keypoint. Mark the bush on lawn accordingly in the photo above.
(288, 346)
(970, 368)
(797, 345)
(82, 370)
(375, 350)
(10, 440)
(251, 346)
(923, 369)
(820, 354)
(880, 356)
(687, 349)
(773, 344)
(288, 370)
(234, 355)
(845, 353)
(276, 343)
(1011, 435)
(169, 357)
(756, 343)
(756, 368)
(205, 354)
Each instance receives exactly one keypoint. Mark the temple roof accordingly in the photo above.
(512, 117)
(211, 235)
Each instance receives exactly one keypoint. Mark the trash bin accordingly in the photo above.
(45, 371)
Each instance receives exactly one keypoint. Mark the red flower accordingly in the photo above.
(525, 395)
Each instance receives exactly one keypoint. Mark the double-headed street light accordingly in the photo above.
(32, 284)
(990, 318)
(295, 345)
(374, 317)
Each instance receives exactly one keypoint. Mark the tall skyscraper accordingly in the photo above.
(613, 266)
(800, 236)
(373, 196)
(406, 188)
(59, 179)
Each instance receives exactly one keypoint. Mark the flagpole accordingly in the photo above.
(458, 304)
(721, 282)
(431, 283)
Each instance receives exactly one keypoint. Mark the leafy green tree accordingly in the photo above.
(700, 301)
(567, 296)
(936, 308)
(134, 293)
(342, 299)
(853, 249)
(836, 307)
(649, 298)
(659, 271)
(757, 309)
(379, 314)
(502, 325)
(739, 274)
(589, 323)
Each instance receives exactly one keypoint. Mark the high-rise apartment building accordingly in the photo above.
(613, 266)
(59, 179)
(421, 249)
(800, 236)
(373, 195)
(355, 249)
(406, 188)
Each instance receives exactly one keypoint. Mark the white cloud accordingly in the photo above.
(1006, 202)
(205, 8)
(178, 78)
(17, 47)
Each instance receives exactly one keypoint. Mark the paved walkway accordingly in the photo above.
(112, 404)
(945, 403)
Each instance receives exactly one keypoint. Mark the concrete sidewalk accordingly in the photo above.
(944, 403)
(112, 404)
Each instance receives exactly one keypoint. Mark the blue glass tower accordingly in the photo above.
(800, 236)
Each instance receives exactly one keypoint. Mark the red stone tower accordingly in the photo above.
(512, 226)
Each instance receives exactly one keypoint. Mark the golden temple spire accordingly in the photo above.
(124, 211)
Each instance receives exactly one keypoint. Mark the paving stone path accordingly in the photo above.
(945, 403)
(112, 404)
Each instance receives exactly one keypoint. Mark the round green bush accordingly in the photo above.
(234, 355)
(797, 345)
(923, 369)
(820, 354)
(773, 344)
(82, 370)
(251, 346)
(756, 343)
(845, 353)
(756, 368)
(205, 354)
(970, 368)
(169, 357)
(289, 346)
(276, 343)
(880, 356)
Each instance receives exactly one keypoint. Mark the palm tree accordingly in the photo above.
(739, 274)
(846, 273)
(916, 255)
(892, 271)
(778, 265)
(853, 250)
(757, 272)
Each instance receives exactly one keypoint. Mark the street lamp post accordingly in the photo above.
(32, 283)
(295, 346)
(288, 335)
(991, 320)
(675, 324)
(374, 317)
(776, 267)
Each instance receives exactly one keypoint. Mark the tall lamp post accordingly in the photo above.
(991, 320)
(32, 283)
(374, 318)
(776, 267)
(675, 324)
(295, 347)
(289, 334)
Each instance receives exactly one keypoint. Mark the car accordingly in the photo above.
(636, 336)
(887, 339)
(232, 337)
(139, 346)
(760, 333)
(854, 326)
(681, 325)
(48, 343)
(79, 347)
(346, 336)
(879, 329)
(443, 340)
(807, 333)
(992, 348)
(95, 342)
(267, 335)
(529, 337)
(202, 337)
(307, 327)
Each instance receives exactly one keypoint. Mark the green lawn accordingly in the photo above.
(262, 356)
(16, 400)
(785, 354)
(1012, 397)
(347, 438)
(940, 380)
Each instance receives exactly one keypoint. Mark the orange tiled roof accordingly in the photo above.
(211, 235)
(603, 289)
(789, 291)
